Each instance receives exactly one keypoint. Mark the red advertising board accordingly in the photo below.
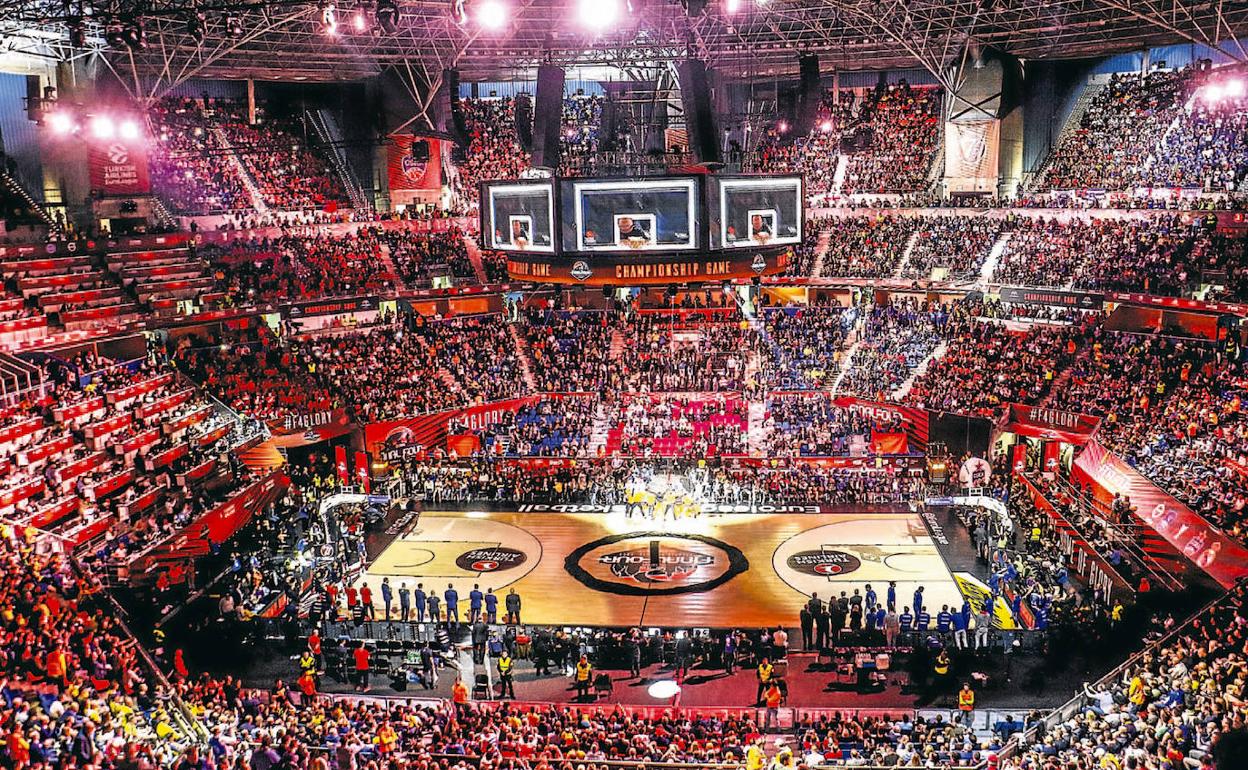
(1224, 559)
(1054, 424)
(415, 164)
(119, 168)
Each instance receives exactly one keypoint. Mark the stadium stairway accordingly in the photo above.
(474, 257)
(262, 457)
(904, 388)
(253, 190)
(904, 262)
(821, 251)
(847, 363)
(756, 428)
(522, 353)
(391, 271)
(994, 258)
(600, 431)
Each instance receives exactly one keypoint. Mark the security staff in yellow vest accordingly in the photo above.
(940, 673)
(765, 673)
(506, 676)
(583, 677)
(966, 702)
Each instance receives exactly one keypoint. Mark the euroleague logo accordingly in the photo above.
(117, 153)
(823, 563)
(655, 564)
(490, 559)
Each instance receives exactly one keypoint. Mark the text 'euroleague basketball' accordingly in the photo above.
(655, 564)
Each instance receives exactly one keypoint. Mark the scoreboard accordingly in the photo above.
(669, 229)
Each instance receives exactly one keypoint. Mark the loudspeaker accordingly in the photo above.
(450, 89)
(524, 121)
(701, 128)
(34, 99)
(608, 131)
(809, 96)
(547, 117)
(420, 151)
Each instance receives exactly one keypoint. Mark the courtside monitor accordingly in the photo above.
(519, 216)
(630, 216)
(755, 212)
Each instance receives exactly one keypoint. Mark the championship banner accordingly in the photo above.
(1084, 300)
(119, 168)
(414, 164)
(971, 149)
(411, 437)
(1224, 559)
(1053, 424)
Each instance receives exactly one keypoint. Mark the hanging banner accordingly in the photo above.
(414, 164)
(1052, 424)
(1222, 557)
(971, 156)
(362, 475)
(119, 168)
(340, 464)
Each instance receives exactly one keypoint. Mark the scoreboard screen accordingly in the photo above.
(519, 216)
(630, 215)
(755, 212)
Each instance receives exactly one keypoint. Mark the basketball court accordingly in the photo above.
(715, 570)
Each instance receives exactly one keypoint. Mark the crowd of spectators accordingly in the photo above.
(894, 339)
(867, 246)
(956, 246)
(275, 153)
(900, 125)
(190, 166)
(1165, 128)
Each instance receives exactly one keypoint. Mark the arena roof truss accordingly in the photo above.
(285, 39)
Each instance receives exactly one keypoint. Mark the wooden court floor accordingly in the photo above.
(718, 571)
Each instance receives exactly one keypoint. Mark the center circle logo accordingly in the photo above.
(580, 270)
(655, 564)
(823, 563)
(490, 559)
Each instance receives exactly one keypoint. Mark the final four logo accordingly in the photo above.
(655, 564)
(413, 168)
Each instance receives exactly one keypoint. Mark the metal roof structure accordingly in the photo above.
(286, 40)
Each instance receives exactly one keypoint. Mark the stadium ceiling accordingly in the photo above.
(760, 39)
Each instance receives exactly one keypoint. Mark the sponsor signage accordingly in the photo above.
(331, 307)
(490, 559)
(119, 168)
(1219, 555)
(1082, 300)
(632, 269)
(823, 563)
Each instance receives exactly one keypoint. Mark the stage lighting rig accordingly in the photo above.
(233, 26)
(388, 16)
(115, 33)
(194, 20)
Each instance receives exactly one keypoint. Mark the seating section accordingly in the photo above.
(1167, 128)
(190, 165)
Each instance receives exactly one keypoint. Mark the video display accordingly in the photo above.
(758, 212)
(629, 216)
(519, 217)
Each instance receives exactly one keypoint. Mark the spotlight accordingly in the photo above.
(783, 127)
(77, 32)
(1235, 89)
(102, 127)
(194, 20)
(598, 14)
(358, 21)
(329, 19)
(233, 26)
(1213, 93)
(60, 123)
(826, 126)
(492, 14)
(388, 16)
(732, 6)
(128, 129)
